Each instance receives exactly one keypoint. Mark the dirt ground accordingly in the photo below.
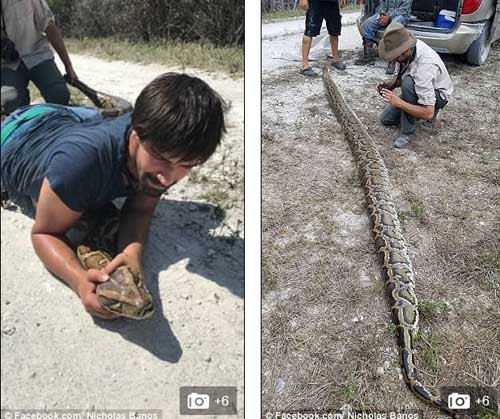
(55, 355)
(327, 334)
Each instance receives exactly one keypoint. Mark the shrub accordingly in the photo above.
(219, 22)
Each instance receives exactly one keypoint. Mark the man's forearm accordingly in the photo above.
(418, 111)
(56, 40)
(58, 258)
(134, 226)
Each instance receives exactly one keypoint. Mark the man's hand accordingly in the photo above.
(391, 98)
(304, 5)
(71, 74)
(343, 3)
(389, 84)
(87, 292)
(384, 20)
(124, 259)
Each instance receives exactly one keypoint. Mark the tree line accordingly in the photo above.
(218, 22)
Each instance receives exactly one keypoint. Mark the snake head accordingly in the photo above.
(126, 294)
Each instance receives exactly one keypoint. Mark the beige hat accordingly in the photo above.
(395, 41)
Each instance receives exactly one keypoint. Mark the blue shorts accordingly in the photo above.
(323, 10)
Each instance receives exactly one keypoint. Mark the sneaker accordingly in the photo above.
(403, 140)
(339, 65)
(390, 67)
(309, 72)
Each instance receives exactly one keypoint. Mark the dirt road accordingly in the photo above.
(54, 355)
(327, 334)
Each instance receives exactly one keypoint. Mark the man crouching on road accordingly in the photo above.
(70, 161)
(425, 83)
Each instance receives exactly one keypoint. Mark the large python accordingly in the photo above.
(397, 270)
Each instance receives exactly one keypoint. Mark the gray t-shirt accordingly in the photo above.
(25, 24)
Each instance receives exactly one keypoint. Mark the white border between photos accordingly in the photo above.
(252, 209)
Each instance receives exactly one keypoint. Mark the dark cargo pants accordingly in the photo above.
(46, 77)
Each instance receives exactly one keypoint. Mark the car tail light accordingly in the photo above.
(470, 6)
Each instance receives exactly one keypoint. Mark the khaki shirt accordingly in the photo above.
(429, 73)
(25, 24)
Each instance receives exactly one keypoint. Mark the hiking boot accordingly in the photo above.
(403, 140)
(369, 55)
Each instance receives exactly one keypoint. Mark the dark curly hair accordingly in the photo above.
(180, 115)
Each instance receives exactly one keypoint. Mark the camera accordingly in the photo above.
(9, 52)
(459, 401)
(384, 86)
(198, 401)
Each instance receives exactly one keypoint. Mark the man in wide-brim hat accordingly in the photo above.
(425, 83)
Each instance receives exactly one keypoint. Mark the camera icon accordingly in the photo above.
(459, 401)
(198, 401)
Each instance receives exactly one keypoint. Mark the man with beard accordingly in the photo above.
(64, 163)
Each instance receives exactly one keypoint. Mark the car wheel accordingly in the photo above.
(480, 48)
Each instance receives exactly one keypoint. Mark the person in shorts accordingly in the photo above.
(316, 12)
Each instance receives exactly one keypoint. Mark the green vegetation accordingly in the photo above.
(433, 308)
(490, 261)
(278, 15)
(430, 350)
(228, 60)
(348, 393)
(282, 15)
(218, 197)
(417, 207)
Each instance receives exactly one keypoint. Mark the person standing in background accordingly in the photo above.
(28, 30)
(316, 12)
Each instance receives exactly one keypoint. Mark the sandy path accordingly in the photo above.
(54, 355)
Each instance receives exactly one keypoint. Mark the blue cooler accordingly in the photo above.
(445, 19)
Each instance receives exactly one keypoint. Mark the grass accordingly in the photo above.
(229, 60)
(430, 350)
(278, 15)
(433, 308)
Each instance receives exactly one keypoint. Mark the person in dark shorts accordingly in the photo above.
(70, 161)
(316, 12)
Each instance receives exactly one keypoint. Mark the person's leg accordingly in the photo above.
(314, 21)
(14, 90)
(50, 82)
(331, 13)
(408, 94)
(400, 19)
(306, 47)
(369, 30)
(390, 116)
